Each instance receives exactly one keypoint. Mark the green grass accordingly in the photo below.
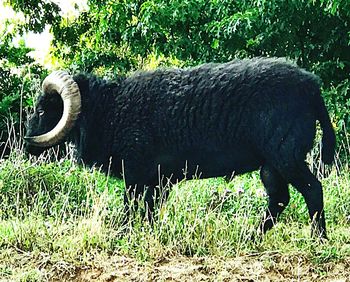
(57, 216)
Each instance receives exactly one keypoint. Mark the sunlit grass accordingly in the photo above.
(56, 216)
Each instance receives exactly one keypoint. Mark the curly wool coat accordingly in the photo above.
(207, 121)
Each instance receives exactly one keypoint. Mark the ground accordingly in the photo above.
(266, 267)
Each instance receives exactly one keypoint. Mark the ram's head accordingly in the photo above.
(56, 111)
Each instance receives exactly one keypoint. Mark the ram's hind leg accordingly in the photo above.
(277, 190)
(287, 152)
(309, 186)
(297, 173)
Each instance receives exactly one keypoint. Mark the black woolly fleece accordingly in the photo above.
(214, 119)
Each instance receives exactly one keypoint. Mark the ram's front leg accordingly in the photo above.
(140, 199)
(141, 188)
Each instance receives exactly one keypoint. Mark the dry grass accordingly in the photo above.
(62, 222)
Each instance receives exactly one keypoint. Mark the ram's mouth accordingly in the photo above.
(62, 83)
(33, 150)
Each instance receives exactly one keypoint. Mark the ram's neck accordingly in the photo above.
(92, 136)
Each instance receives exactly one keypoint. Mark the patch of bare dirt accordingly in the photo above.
(268, 267)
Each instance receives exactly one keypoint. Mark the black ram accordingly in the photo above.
(212, 120)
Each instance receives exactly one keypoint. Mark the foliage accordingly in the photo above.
(117, 36)
(338, 100)
(37, 14)
(65, 188)
(20, 75)
(309, 32)
(19, 80)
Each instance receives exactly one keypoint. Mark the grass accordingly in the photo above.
(58, 218)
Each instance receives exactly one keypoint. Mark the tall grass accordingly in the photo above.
(56, 215)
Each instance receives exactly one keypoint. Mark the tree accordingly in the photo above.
(118, 36)
(19, 74)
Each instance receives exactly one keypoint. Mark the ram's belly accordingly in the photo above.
(206, 163)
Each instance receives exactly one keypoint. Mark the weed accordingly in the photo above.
(57, 217)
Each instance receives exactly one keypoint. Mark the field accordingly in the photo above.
(62, 222)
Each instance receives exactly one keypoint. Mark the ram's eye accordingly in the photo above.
(41, 112)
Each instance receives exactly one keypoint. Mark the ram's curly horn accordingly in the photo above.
(62, 83)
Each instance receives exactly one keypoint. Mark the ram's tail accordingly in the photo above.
(328, 137)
